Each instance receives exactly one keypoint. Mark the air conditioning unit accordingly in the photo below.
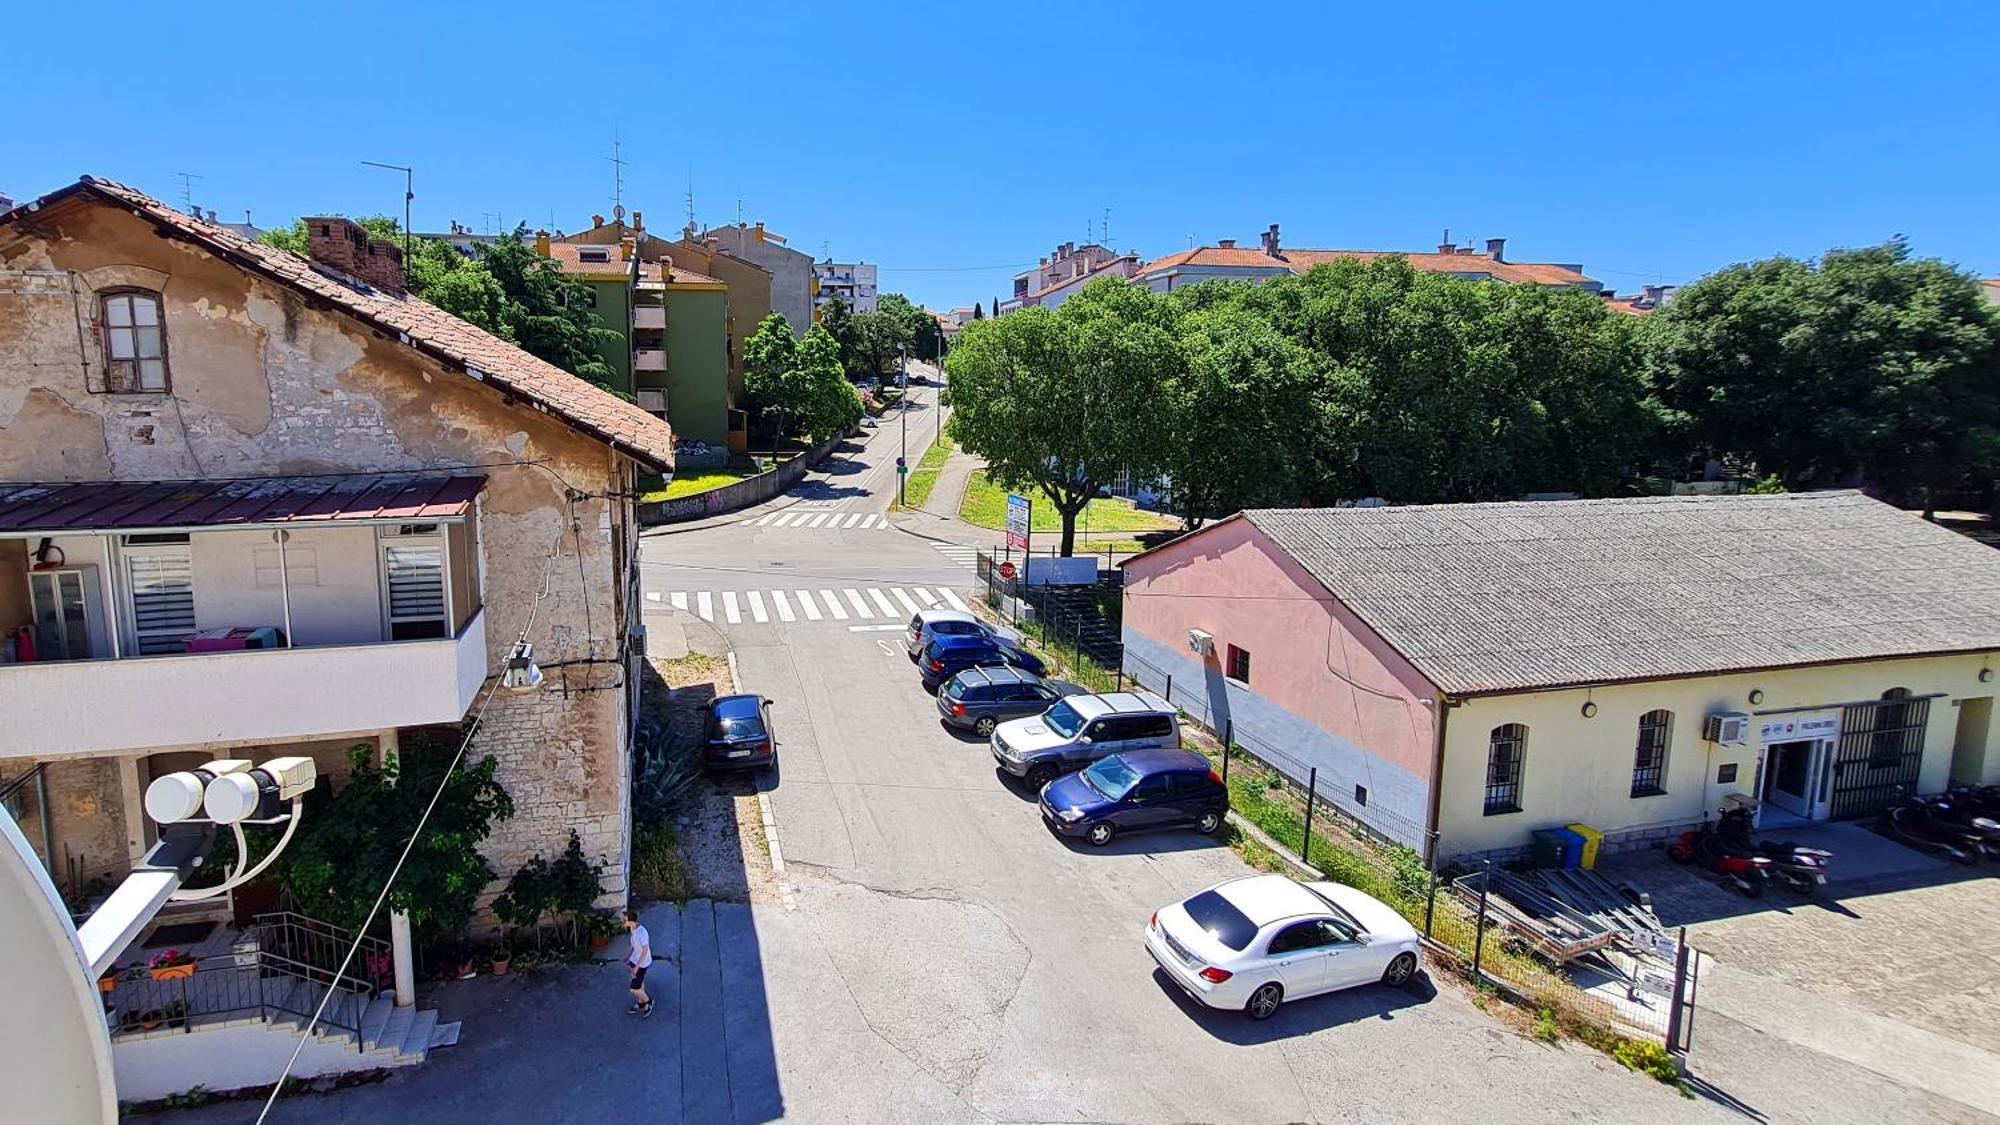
(1203, 643)
(1727, 728)
(653, 402)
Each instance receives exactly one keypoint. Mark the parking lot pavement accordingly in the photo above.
(1893, 968)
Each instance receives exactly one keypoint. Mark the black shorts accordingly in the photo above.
(638, 978)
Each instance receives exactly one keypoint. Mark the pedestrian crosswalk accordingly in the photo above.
(967, 557)
(895, 604)
(820, 520)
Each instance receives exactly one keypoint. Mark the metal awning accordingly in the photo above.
(126, 506)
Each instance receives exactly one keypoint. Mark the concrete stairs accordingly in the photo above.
(388, 1035)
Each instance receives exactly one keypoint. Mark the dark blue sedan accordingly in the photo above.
(948, 656)
(736, 734)
(1134, 792)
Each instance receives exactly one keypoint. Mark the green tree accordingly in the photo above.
(772, 382)
(344, 852)
(915, 327)
(828, 404)
(1064, 400)
(977, 314)
(1867, 362)
(1240, 412)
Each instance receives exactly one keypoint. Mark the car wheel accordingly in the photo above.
(1100, 834)
(984, 727)
(1264, 1002)
(1208, 823)
(1400, 970)
(1039, 777)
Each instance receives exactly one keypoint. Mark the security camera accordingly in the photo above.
(260, 793)
(178, 796)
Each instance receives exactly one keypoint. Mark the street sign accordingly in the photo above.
(902, 470)
(1007, 571)
(1018, 522)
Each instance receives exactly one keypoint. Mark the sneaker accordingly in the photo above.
(636, 1008)
(646, 1009)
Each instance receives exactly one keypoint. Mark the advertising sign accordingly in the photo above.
(1018, 511)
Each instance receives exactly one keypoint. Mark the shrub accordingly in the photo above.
(658, 871)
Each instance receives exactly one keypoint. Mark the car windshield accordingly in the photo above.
(1111, 777)
(738, 729)
(1220, 918)
(1063, 719)
(1338, 911)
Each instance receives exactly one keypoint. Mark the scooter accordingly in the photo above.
(1911, 822)
(1963, 815)
(1740, 870)
(1802, 870)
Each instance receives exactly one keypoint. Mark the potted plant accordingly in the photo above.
(173, 964)
(108, 983)
(502, 957)
(602, 928)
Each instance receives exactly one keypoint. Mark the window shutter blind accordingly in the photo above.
(162, 584)
(416, 581)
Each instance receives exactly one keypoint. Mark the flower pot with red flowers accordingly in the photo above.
(174, 964)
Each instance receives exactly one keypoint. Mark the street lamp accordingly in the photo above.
(902, 462)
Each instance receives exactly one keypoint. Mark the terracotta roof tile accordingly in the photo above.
(1299, 261)
(421, 325)
(569, 256)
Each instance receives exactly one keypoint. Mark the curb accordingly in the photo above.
(763, 793)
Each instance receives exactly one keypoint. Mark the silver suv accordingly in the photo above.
(929, 624)
(1081, 729)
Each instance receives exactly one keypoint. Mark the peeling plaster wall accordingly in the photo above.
(265, 384)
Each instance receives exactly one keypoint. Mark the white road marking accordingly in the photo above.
(806, 604)
(852, 520)
(953, 599)
(783, 605)
(704, 605)
(887, 609)
(784, 519)
(757, 607)
(860, 607)
(652, 595)
(909, 606)
(729, 608)
(679, 598)
(928, 598)
(833, 605)
(872, 628)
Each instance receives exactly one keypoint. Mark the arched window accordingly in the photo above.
(135, 341)
(1504, 749)
(1899, 730)
(1649, 762)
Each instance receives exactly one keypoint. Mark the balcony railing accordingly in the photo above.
(71, 707)
(649, 359)
(649, 316)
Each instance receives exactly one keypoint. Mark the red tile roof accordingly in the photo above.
(452, 342)
(137, 505)
(569, 256)
(1299, 261)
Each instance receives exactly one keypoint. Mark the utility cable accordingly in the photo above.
(360, 933)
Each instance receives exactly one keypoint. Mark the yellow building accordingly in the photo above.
(1463, 675)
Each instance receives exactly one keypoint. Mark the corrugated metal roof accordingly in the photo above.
(1514, 596)
(134, 505)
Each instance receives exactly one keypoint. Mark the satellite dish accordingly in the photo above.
(55, 1055)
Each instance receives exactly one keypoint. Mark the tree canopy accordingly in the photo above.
(799, 385)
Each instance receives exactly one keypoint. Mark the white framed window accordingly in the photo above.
(159, 592)
(135, 342)
(413, 582)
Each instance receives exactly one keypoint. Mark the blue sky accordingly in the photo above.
(954, 143)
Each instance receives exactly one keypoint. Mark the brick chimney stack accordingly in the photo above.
(638, 220)
(1496, 249)
(1271, 241)
(1226, 243)
(340, 244)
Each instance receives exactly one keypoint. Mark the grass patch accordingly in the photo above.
(1105, 518)
(924, 474)
(659, 871)
(698, 481)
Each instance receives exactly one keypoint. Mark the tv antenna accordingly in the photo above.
(187, 189)
(1105, 230)
(690, 198)
(409, 193)
(617, 180)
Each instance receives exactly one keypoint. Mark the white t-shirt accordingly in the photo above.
(641, 955)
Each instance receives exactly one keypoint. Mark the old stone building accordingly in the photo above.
(252, 504)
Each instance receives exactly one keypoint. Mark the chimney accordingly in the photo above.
(625, 246)
(760, 232)
(384, 266)
(1446, 245)
(1496, 249)
(337, 244)
(1271, 241)
(1654, 295)
(596, 221)
(541, 244)
(1226, 243)
(638, 220)
(211, 218)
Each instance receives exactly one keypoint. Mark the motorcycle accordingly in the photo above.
(1968, 817)
(1745, 872)
(1801, 869)
(1912, 822)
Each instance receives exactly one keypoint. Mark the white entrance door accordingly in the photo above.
(1798, 777)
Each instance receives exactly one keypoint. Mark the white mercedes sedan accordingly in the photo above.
(1256, 942)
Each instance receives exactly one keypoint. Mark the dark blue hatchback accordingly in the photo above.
(948, 656)
(1134, 792)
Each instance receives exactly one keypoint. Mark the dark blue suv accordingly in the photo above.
(1136, 791)
(948, 656)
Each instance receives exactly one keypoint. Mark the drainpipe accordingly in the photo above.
(388, 743)
(284, 583)
(1444, 705)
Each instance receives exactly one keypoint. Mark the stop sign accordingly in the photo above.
(1007, 570)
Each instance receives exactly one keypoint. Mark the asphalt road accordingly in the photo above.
(939, 956)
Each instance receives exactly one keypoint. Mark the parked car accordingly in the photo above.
(1254, 943)
(737, 733)
(1136, 792)
(946, 657)
(979, 699)
(926, 625)
(1080, 730)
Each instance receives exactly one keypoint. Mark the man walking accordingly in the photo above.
(638, 958)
